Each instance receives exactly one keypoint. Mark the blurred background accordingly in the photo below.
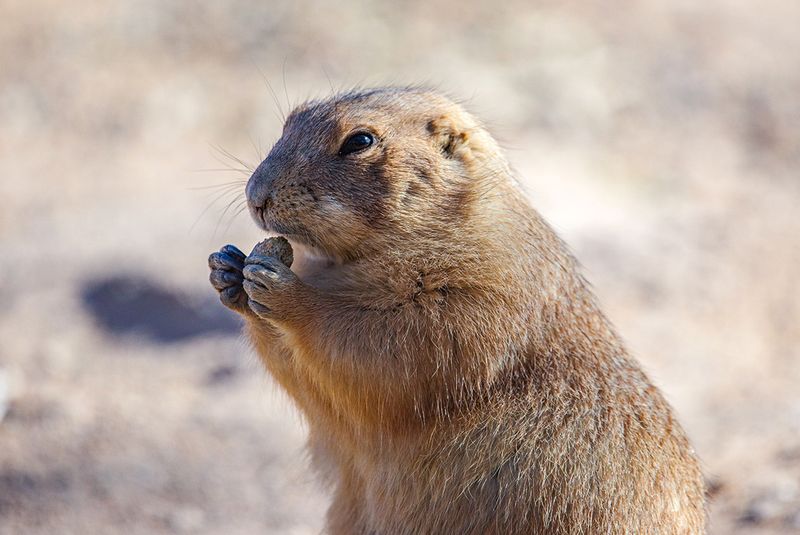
(661, 139)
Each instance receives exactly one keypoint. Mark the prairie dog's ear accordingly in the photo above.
(446, 134)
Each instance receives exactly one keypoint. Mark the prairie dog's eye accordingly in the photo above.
(356, 143)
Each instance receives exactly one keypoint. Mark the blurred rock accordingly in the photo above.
(4, 394)
(778, 504)
(135, 305)
(221, 374)
(17, 486)
(186, 520)
(794, 519)
(760, 511)
(31, 410)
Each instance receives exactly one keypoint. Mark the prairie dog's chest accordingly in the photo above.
(310, 267)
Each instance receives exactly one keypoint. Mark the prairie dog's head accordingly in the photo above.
(361, 170)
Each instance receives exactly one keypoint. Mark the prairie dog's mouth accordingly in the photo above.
(305, 251)
(299, 236)
(264, 221)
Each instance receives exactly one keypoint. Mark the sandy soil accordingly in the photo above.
(660, 138)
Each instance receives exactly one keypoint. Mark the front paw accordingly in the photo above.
(270, 286)
(226, 277)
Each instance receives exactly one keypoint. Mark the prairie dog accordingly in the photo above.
(455, 371)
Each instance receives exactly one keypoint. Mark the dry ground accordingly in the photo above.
(660, 138)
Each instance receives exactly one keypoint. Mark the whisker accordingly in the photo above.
(285, 92)
(241, 207)
(245, 172)
(222, 216)
(275, 100)
(330, 83)
(225, 191)
(217, 198)
(227, 154)
(214, 186)
(255, 147)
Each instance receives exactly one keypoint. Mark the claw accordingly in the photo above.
(257, 272)
(232, 297)
(258, 308)
(221, 279)
(225, 261)
(234, 251)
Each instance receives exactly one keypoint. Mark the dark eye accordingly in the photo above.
(356, 143)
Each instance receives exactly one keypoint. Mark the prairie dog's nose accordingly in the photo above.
(259, 187)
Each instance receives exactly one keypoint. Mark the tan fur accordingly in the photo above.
(455, 371)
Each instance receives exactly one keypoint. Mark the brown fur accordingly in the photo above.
(455, 371)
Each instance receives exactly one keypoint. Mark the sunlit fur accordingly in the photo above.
(455, 371)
